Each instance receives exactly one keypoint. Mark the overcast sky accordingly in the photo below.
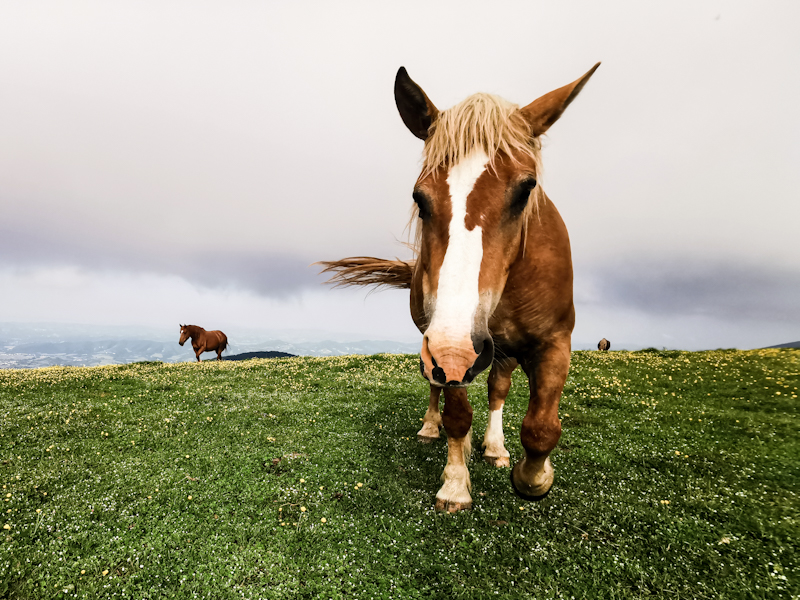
(166, 162)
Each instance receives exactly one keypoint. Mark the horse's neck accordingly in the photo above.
(196, 332)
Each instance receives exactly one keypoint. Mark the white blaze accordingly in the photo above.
(457, 296)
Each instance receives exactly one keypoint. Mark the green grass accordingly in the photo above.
(676, 477)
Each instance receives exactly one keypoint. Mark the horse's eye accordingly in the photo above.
(422, 205)
(521, 195)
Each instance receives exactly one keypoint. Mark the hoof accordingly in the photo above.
(452, 507)
(497, 461)
(526, 496)
(428, 433)
(536, 492)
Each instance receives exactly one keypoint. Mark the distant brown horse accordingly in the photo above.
(492, 280)
(204, 341)
(604, 345)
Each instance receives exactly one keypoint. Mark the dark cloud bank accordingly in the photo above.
(719, 289)
(212, 266)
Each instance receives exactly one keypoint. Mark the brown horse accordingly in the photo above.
(492, 280)
(204, 341)
(604, 345)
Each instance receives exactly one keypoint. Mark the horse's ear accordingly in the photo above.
(545, 111)
(416, 109)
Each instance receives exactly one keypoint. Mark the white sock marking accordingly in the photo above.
(494, 440)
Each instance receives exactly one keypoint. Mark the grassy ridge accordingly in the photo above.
(676, 477)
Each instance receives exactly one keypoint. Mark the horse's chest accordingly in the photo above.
(519, 319)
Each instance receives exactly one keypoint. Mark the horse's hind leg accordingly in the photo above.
(532, 477)
(432, 420)
(454, 495)
(494, 448)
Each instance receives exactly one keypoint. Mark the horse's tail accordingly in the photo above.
(367, 271)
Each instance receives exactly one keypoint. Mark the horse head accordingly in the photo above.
(185, 335)
(474, 198)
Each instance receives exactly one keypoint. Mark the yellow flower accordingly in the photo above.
(302, 481)
(38, 510)
(190, 497)
(105, 572)
(302, 509)
(324, 520)
(83, 571)
(6, 526)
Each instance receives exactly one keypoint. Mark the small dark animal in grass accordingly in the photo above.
(604, 345)
(204, 341)
(491, 283)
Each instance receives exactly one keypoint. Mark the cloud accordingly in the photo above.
(267, 274)
(157, 303)
(694, 287)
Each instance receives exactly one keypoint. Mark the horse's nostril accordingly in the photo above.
(485, 358)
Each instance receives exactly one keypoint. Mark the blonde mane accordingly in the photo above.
(482, 121)
(486, 122)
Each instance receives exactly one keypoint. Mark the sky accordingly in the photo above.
(171, 162)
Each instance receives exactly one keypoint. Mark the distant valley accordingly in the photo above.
(43, 347)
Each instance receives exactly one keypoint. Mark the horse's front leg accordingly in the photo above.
(198, 350)
(432, 420)
(454, 495)
(532, 477)
(494, 447)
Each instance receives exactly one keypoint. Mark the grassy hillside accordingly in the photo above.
(676, 477)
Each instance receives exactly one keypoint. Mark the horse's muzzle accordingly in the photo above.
(182, 343)
(453, 370)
